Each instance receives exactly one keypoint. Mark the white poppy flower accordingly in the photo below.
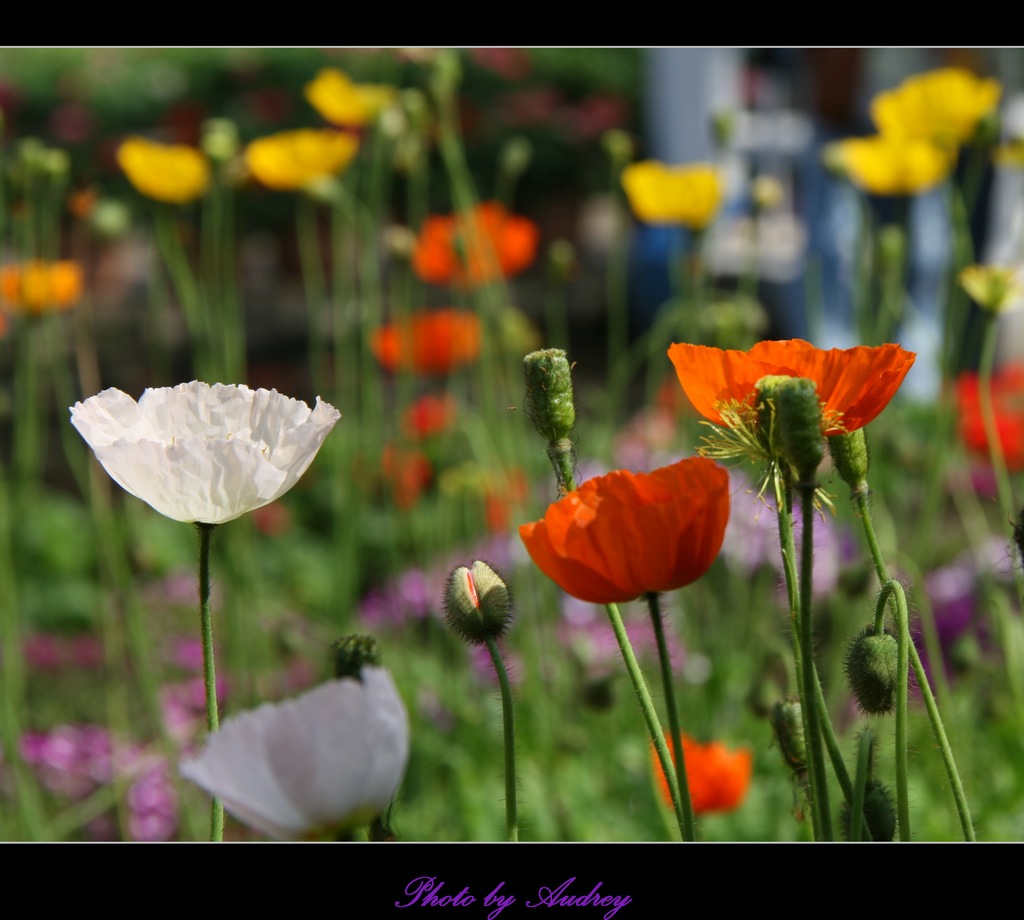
(326, 761)
(204, 453)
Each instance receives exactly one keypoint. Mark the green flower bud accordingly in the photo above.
(516, 156)
(872, 670)
(879, 812)
(110, 219)
(324, 190)
(892, 247)
(788, 724)
(55, 163)
(352, 653)
(618, 145)
(850, 458)
(549, 393)
(477, 603)
(723, 127)
(562, 262)
(219, 139)
(796, 435)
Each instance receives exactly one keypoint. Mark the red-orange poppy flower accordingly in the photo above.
(39, 287)
(474, 249)
(407, 473)
(718, 778)
(622, 535)
(854, 384)
(432, 342)
(429, 415)
(1008, 407)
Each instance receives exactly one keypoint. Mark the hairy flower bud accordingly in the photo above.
(788, 725)
(879, 812)
(219, 139)
(796, 410)
(549, 393)
(478, 603)
(850, 458)
(516, 155)
(351, 654)
(872, 670)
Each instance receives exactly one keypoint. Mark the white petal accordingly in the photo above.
(234, 768)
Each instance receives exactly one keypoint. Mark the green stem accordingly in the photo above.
(511, 818)
(313, 282)
(816, 756)
(654, 607)
(963, 810)
(209, 670)
(863, 768)
(784, 504)
(650, 716)
(185, 286)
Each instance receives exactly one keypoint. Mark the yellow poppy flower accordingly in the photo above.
(993, 287)
(883, 165)
(345, 103)
(943, 105)
(293, 160)
(174, 173)
(38, 287)
(660, 194)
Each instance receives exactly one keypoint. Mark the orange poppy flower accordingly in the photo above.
(470, 250)
(854, 384)
(407, 473)
(622, 535)
(38, 287)
(433, 342)
(718, 778)
(429, 415)
(1008, 405)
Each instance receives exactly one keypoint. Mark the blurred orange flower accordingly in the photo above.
(39, 287)
(175, 173)
(432, 342)
(854, 384)
(486, 245)
(500, 495)
(942, 105)
(407, 473)
(294, 160)
(661, 194)
(1008, 405)
(622, 535)
(429, 415)
(718, 778)
(345, 103)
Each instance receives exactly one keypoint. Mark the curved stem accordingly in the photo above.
(678, 751)
(209, 670)
(511, 818)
